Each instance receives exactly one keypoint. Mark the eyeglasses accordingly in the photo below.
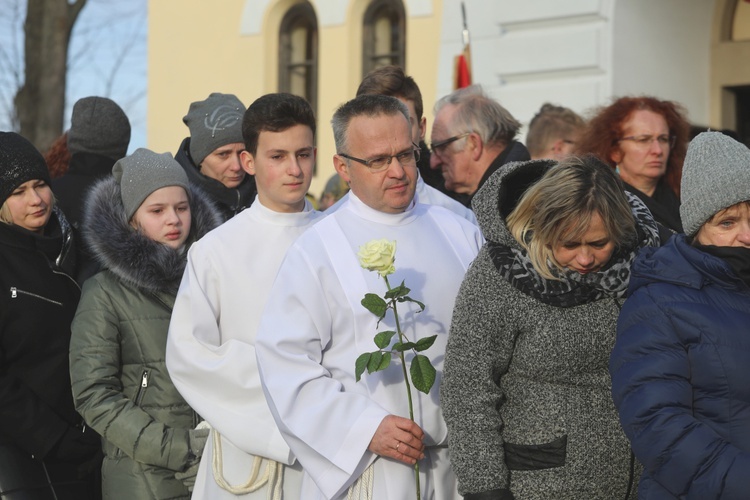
(380, 163)
(438, 147)
(645, 141)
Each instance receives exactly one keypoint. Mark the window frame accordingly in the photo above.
(393, 9)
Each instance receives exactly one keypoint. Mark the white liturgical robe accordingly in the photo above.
(314, 328)
(211, 343)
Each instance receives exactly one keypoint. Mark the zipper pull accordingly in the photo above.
(144, 379)
(13, 292)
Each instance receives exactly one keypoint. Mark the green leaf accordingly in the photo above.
(375, 304)
(425, 343)
(403, 346)
(382, 339)
(409, 299)
(361, 364)
(399, 291)
(376, 362)
(385, 362)
(422, 373)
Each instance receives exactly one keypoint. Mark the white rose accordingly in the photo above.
(378, 255)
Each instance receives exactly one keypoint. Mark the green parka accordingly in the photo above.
(120, 382)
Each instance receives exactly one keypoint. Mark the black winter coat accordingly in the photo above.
(70, 192)
(38, 300)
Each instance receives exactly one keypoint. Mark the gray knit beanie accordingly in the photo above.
(99, 126)
(20, 162)
(142, 173)
(214, 123)
(715, 176)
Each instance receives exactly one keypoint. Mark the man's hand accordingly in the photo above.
(398, 438)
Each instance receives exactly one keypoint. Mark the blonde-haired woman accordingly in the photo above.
(45, 450)
(526, 392)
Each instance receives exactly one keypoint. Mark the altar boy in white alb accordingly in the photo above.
(314, 327)
(211, 343)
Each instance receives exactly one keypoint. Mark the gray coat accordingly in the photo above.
(120, 381)
(526, 390)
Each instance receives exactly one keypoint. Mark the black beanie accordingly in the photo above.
(99, 126)
(20, 162)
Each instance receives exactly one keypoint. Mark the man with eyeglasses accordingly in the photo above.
(351, 435)
(392, 81)
(472, 137)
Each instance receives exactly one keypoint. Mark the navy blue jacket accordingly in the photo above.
(681, 374)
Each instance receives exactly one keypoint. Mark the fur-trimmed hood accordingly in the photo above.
(497, 197)
(132, 257)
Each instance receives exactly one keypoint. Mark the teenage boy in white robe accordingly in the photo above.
(314, 327)
(210, 348)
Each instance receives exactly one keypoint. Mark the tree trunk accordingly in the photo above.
(40, 102)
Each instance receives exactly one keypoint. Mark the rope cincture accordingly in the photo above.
(361, 489)
(273, 475)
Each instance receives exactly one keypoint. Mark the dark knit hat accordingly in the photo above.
(142, 173)
(100, 126)
(20, 162)
(715, 176)
(214, 123)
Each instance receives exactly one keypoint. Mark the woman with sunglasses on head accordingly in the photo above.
(45, 450)
(526, 391)
(644, 139)
(681, 363)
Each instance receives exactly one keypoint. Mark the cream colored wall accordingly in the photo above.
(196, 47)
(729, 65)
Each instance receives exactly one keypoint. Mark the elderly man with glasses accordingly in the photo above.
(352, 436)
(472, 136)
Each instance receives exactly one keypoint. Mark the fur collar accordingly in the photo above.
(131, 256)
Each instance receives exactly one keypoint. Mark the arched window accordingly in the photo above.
(298, 53)
(384, 35)
(741, 22)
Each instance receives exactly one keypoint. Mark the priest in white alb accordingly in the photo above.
(355, 439)
(211, 342)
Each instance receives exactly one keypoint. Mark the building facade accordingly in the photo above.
(577, 53)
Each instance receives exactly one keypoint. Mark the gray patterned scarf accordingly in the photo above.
(573, 288)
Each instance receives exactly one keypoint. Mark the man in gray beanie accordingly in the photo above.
(211, 155)
(99, 135)
(99, 126)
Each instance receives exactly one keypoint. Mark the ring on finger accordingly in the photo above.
(397, 445)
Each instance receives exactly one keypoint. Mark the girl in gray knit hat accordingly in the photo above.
(139, 223)
(681, 364)
(526, 391)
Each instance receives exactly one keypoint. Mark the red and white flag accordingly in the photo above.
(462, 63)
